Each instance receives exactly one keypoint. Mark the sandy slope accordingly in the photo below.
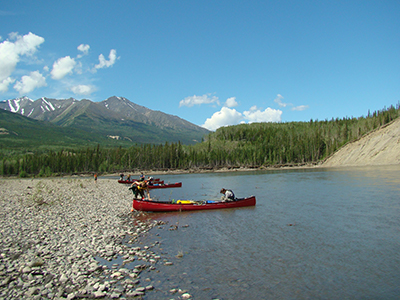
(380, 147)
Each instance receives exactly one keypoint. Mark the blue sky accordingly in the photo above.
(213, 63)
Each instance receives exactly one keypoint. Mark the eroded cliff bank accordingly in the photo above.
(380, 147)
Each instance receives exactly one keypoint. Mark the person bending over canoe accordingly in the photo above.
(139, 188)
(228, 195)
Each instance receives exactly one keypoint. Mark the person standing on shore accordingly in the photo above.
(95, 177)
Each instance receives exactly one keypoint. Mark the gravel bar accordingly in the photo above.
(57, 234)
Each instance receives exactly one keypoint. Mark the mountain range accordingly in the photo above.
(114, 118)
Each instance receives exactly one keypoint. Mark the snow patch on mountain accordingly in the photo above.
(16, 103)
(30, 112)
(48, 104)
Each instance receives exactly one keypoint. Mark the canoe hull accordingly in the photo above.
(165, 186)
(132, 181)
(144, 205)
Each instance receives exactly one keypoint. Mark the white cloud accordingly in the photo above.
(278, 100)
(229, 116)
(78, 69)
(103, 63)
(4, 84)
(226, 116)
(84, 49)
(300, 107)
(10, 53)
(82, 89)
(30, 82)
(268, 115)
(198, 100)
(62, 67)
(19, 50)
(231, 102)
(27, 44)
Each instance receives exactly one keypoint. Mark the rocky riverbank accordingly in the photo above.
(56, 232)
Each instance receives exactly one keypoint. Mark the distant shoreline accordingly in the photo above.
(195, 171)
(215, 170)
(180, 171)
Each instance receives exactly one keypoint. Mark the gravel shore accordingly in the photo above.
(55, 232)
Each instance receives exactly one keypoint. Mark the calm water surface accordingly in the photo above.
(314, 234)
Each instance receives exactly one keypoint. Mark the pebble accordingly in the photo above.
(99, 294)
(134, 294)
(54, 231)
(63, 278)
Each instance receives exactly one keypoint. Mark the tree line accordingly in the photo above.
(245, 145)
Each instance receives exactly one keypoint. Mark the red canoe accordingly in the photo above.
(164, 186)
(132, 181)
(146, 205)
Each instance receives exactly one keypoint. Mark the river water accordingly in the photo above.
(313, 234)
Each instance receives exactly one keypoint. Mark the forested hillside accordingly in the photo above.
(246, 145)
(291, 143)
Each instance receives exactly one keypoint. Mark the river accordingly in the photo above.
(315, 233)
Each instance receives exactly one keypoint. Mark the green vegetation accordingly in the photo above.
(19, 134)
(246, 145)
